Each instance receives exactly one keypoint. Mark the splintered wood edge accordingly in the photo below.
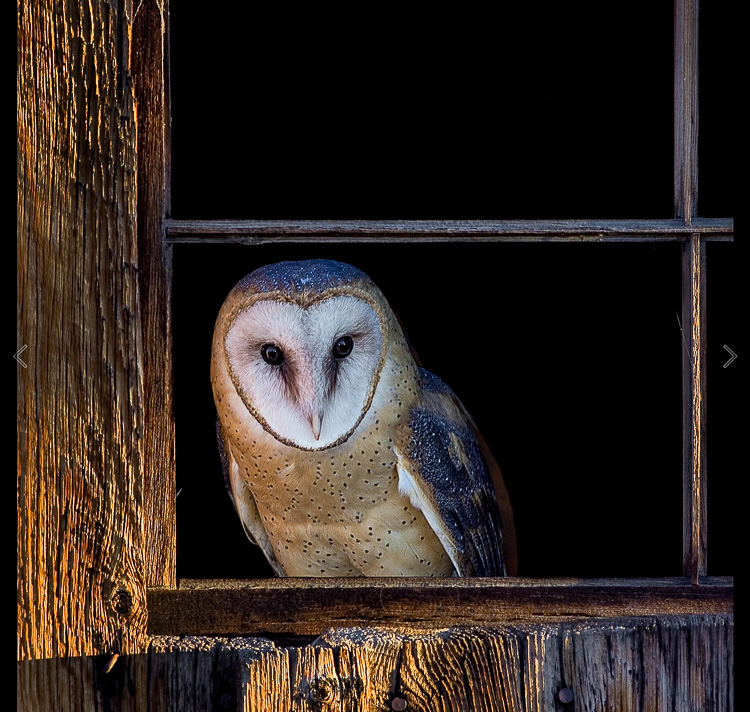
(309, 606)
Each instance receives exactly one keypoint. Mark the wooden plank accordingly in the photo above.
(686, 110)
(465, 669)
(154, 282)
(694, 408)
(80, 546)
(653, 664)
(263, 681)
(330, 678)
(306, 606)
(91, 683)
(194, 674)
(664, 663)
(263, 231)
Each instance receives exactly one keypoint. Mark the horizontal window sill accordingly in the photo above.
(301, 606)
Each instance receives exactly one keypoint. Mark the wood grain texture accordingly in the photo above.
(669, 663)
(303, 606)
(642, 664)
(694, 488)
(80, 550)
(91, 683)
(154, 282)
(195, 673)
(264, 231)
(686, 110)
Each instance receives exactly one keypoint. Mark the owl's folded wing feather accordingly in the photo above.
(442, 471)
(244, 502)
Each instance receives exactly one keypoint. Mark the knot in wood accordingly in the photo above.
(122, 601)
(322, 690)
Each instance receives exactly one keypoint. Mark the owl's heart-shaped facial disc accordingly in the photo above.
(307, 373)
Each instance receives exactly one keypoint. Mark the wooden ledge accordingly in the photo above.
(307, 606)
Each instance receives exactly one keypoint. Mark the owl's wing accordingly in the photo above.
(244, 502)
(442, 471)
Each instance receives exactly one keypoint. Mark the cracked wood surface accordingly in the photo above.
(80, 546)
(654, 664)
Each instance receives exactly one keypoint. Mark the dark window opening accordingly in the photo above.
(555, 113)
(578, 391)
(549, 111)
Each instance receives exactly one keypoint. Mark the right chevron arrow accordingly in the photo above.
(734, 355)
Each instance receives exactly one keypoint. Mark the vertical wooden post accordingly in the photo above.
(693, 289)
(150, 84)
(686, 109)
(694, 407)
(80, 554)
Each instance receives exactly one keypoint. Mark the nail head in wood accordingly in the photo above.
(565, 695)
(398, 704)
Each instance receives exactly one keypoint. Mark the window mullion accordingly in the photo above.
(694, 407)
(686, 109)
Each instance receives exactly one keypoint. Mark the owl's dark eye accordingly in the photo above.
(272, 354)
(343, 347)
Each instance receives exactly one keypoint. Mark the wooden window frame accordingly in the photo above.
(306, 606)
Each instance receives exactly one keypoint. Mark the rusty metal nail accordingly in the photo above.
(565, 695)
(398, 704)
(110, 663)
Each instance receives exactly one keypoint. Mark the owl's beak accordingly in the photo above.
(315, 420)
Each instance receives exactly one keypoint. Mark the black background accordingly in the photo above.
(567, 355)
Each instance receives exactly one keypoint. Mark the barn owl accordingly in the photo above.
(342, 455)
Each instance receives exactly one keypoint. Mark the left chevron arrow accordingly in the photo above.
(18, 353)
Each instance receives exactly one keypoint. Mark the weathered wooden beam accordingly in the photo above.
(154, 282)
(686, 110)
(262, 231)
(648, 664)
(80, 544)
(636, 664)
(306, 606)
(694, 408)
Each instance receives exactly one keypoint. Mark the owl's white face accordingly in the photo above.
(307, 374)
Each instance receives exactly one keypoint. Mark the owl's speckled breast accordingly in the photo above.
(338, 511)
